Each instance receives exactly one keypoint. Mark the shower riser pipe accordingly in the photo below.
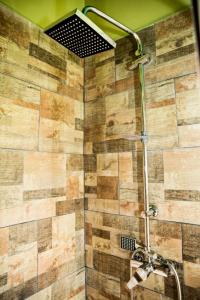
(145, 161)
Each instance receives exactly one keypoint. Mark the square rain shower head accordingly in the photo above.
(80, 35)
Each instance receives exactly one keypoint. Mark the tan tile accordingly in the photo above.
(44, 294)
(23, 266)
(32, 210)
(56, 136)
(125, 170)
(75, 185)
(19, 125)
(189, 135)
(161, 123)
(44, 170)
(191, 274)
(11, 196)
(103, 205)
(188, 82)
(107, 164)
(71, 286)
(177, 211)
(188, 107)
(4, 237)
(74, 75)
(61, 236)
(182, 169)
(58, 108)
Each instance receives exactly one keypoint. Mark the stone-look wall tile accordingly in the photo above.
(191, 236)
(72, 287)
(44, 234)
(180, 35)
(191, 274)
(4, 237)
(162, 127)
(41, 109)
(107, 187)
(166, 239)
(57, 125)
(171, 91)
(182, 169)
(107, 164)
(21, 236)
(11, 179)
(50, 171)
(106, 286)
(19, 125)
(44, 294)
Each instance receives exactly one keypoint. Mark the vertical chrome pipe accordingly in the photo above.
(139, 53)
(145, 160)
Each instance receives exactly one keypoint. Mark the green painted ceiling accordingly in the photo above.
(135, 14)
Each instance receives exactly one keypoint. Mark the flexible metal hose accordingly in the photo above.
(173, 270)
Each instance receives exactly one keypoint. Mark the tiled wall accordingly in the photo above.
(41, 165)
(113, 166)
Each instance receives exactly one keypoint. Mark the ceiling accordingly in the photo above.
(135, 14)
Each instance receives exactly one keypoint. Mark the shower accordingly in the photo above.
(84, 38)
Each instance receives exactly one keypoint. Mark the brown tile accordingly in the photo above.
(21, 235)
(88, 233)
(116, 145)
(191, 240)
(79, 211)
(187, 195)
(108, 287)
(11, 31)
(156, 169)
(101, 233)
(44, 232)
(45, 56)
(65, 207)
(90, 164)
(3, 279)
(107, 187)
(111, 265)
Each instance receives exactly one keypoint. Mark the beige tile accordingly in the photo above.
(63, 230)
(44, 294)
(177, 211)
(19, 125)
(189, 135)
(4, 238)
(191, 274)
(182, 169)
(107, 164)
(32, 210)
(188, 107)
(23, 266)
(103, 205)
(44, 170)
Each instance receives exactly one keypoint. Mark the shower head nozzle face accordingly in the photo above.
(80, 35)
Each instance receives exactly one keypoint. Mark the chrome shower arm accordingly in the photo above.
(139, 50)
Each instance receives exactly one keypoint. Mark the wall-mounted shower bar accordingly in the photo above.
(87, 9)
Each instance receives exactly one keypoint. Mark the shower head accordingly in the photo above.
(80, 35)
